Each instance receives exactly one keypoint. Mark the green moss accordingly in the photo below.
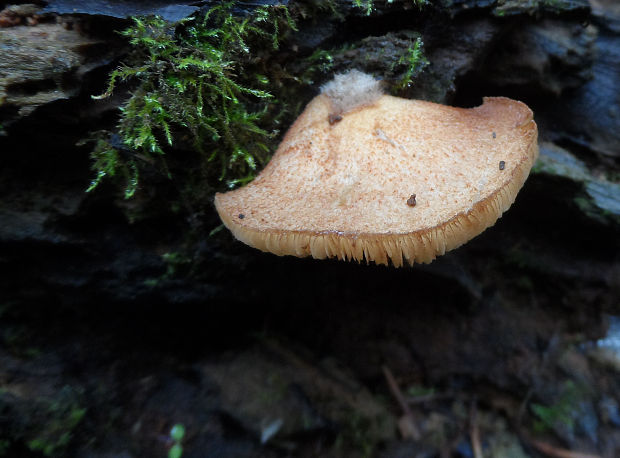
(319, 63)
(396, 58)
(107, 163)
(199, 83)
(207, 93)
(414, 61)
(368, 6)
(177, 264)
(63, 416)
(561, 413)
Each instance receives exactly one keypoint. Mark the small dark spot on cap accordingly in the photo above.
(494, 135)
(334, 118)
(241, 216)
(502, 165)
(411, 201)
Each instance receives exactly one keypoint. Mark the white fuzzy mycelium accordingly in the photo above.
(351, 90)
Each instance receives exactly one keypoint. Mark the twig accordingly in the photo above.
(396, 391)
(474, 431)
(398, 395)
(556, 452)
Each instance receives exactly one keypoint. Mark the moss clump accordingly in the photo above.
(199, 81)
(207, 88)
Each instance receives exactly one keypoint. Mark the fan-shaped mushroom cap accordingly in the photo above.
(397, 179)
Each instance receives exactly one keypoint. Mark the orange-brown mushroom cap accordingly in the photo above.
(400, 180)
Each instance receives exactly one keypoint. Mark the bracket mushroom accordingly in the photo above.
(392, 180)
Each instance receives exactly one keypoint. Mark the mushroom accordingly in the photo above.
(392, 180)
